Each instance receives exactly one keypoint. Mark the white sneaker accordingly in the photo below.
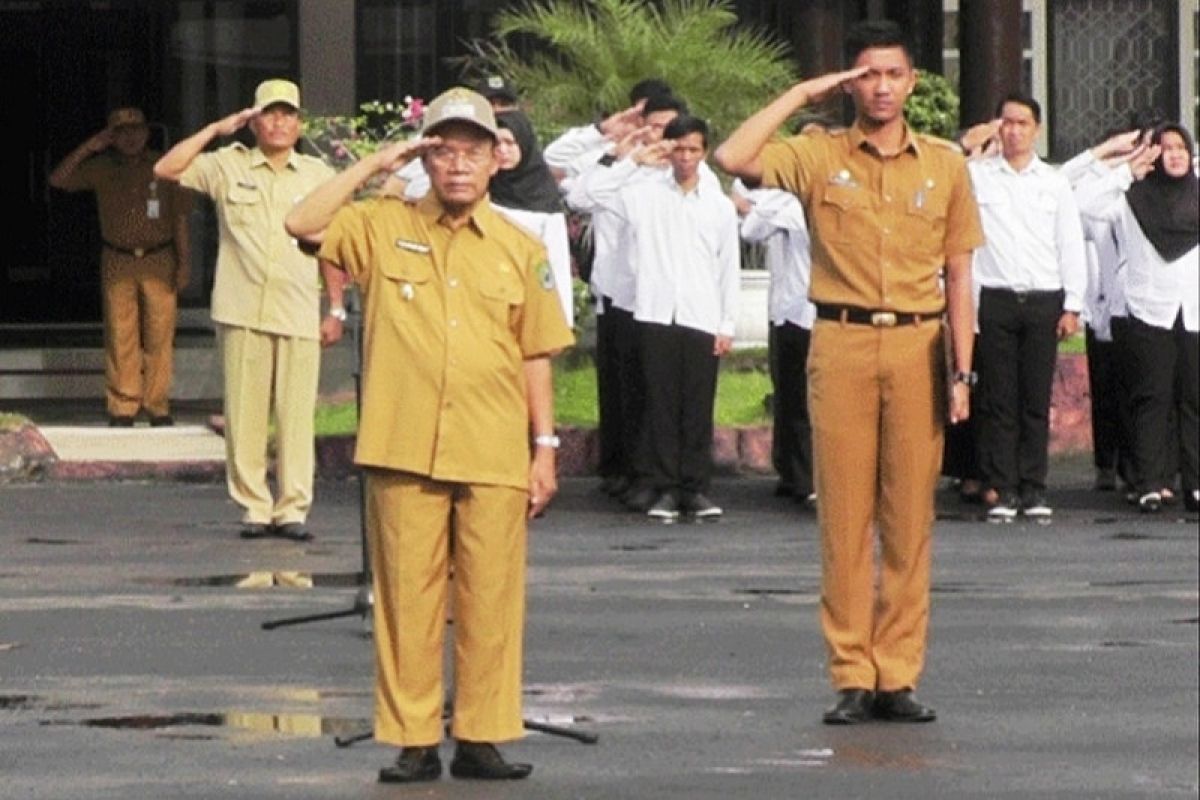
(1005, 510)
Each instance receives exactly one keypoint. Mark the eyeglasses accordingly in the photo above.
(444, 155)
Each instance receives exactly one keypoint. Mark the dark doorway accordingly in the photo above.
(64, 65)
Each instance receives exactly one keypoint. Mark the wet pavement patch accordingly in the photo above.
(334, 580)
(289, 724)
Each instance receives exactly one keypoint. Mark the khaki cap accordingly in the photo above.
(126, 116)
(463, 105)
(275, 91)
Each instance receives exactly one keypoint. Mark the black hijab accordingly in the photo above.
(528, 186)
(1168, 209)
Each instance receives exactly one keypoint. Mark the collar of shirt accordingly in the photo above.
(483, 216)
(258, 158)
(1035, 166)
(859, 141)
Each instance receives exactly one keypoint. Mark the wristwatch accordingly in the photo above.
(338, 313)
(969, 378)
(547, 440)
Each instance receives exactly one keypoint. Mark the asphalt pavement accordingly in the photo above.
(134, 664)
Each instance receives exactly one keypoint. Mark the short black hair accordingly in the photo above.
(647, 88)
(1020, 98)
(683, 125)
(875, 33)
(664, 102)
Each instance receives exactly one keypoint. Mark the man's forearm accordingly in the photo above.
(176, 160)
(739, 154)
(960, 309)
(539, 387)
(309, 218)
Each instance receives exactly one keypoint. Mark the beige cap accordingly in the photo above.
(126, 116)
(277, 90)
(460, 104)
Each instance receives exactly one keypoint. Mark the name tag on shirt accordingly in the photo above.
(152, 209)
(412, 247)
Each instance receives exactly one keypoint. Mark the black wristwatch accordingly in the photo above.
(969, 378)
(607, 160)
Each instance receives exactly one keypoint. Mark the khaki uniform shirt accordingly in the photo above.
(450, 317)
(882, 227)
(264, 282)
(135, 209)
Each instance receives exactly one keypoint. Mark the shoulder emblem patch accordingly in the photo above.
(545, 275)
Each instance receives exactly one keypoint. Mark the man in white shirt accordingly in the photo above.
(683, 243)
(1032, 277)
(776, 219)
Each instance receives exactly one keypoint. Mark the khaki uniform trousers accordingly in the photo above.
(269, 375)
(409, 523)
(876, 397)
(139, 331)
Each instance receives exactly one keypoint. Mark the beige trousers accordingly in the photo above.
(419, 529)
(269, 377)
(139, 331)
(876, 396)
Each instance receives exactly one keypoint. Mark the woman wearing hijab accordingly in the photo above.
(525, 191)
(1156, 220)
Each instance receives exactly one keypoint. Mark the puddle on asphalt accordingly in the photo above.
(261, 579)
(289, 724)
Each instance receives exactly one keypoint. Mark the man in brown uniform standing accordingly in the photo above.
(461, 319)
(266, 303)
(144, 262)
(888, 209)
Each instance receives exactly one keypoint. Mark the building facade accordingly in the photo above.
(1092, 63)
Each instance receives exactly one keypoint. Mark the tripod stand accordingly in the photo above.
(363, 600)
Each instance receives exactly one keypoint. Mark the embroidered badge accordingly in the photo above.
(545, 275)
(413, 247)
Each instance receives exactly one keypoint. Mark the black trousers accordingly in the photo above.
(620, 391)
(1018, 347)
(1124, 369)
(791, 440)
(960, 453)
(1107, 435)
(1166, 381)
(680, 373)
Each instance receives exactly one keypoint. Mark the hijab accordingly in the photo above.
(1168, 209)
(528, 186)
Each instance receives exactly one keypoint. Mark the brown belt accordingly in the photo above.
(876, 318)
(139, 252)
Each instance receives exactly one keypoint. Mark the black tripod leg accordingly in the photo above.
(580, 736)
(279, 623)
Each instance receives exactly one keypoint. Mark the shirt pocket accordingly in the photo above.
(241, 205)
(503, 296)
(406, 275)
(925, 214)
(843, 212)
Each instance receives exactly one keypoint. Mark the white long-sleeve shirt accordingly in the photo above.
(1156, 290)
(551, 229)
(686, 254)
(776, 219)
(1105, 296)
(1034, 236)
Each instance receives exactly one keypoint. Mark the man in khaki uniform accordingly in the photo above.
(888, 210)
(144, 262)
(461, 319)
(266, 303)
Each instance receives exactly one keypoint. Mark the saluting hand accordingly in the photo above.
(822, 87)
(99, 142)
(397, 154)
(233, 123)
(617, 126)
(653, 155)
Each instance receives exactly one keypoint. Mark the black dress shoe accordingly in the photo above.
(853, 706)
(255, 530)
(414, 764)
(901, 706)
(293, 532)
(162, 421)
(120, 421)
(482, 761)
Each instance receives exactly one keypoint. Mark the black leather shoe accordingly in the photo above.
(901, 706)
(255, 530)
(482, 761)
(163, 421)
(414, 764)
(120, 421)
(853, 706)
(293, 532)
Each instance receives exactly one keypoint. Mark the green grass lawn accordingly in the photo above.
(742, 386)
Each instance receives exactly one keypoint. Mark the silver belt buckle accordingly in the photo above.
(138, 252)
(883, 319)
